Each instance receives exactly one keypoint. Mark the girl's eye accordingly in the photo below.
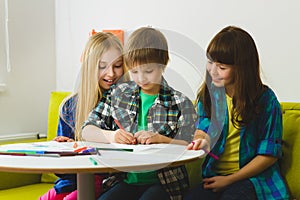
(118, 66)
(222, 67)
(134, 72)
(149, 71)
(102, 67)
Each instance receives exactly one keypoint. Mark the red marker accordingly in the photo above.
(209, 153)
(80, 149)
(118, 124)
(121, 127)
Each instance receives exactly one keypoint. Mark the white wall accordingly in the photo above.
(24, 102)
(38, 28)
(274, 25)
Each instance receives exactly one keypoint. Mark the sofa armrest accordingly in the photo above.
(290, 163)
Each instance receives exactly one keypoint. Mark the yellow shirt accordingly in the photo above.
(228, 162)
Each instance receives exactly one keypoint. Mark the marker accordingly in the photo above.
(24, 151)
(45, 153)
(29, 154)
(211, 154)
(80, 149)
(118, 124)
(121, 127)
(75, 145)
(93, 161)
(114, 149)
(12, 154)
(89, 150)
(208, 152)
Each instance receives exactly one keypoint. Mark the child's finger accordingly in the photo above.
(126, 137)
(190, 146)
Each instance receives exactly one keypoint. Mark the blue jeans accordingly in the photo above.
(236, 191)
(129, 191)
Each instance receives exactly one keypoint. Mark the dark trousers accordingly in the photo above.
(142, 192)
(236, 191)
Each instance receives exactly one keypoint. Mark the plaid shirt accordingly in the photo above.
(172, 114)
(261, 137)
(66, 124)
(66, 127)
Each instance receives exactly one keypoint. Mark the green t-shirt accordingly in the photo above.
(144, 177)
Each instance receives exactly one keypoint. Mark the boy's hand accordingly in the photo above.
(124, 137)
(147, 137)
(63, 139)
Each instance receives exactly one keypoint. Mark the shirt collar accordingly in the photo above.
(164, 97)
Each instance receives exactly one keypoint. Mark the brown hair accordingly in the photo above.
(146, 45)
(235, 47)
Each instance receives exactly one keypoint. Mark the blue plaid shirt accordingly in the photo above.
(172, 114)
(66, 123)
(66, 127)
(261, 137)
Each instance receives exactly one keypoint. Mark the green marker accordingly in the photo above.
(114, 149)
(93, 161)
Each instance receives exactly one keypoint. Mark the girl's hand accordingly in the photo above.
(124, 137)
(199, 144)
(201, 141)
(147, 137)
(216, 183)
(63, 139)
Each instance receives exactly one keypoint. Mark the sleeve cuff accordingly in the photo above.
(269, 147)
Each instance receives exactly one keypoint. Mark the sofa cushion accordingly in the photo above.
(48, 178)
(290, 163)
(33, 191)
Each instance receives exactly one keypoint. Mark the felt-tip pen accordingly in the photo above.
(93, 161)
(114, 149)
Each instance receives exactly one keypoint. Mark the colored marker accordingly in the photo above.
(208, 152)
(211, 154)
(121, 127)
(80, 149)
(114, 149)
(30, 154)
(93, 161)
(118, 124)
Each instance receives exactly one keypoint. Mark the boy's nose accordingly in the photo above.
(141, 78)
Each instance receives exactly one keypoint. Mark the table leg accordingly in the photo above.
(85, 186)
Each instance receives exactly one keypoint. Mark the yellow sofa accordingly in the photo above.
(290, 163)
(16, 186)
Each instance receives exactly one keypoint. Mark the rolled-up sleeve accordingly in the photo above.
(271, 141)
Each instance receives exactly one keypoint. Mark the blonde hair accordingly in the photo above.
(89, 91)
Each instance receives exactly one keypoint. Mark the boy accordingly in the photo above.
(150, 111)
